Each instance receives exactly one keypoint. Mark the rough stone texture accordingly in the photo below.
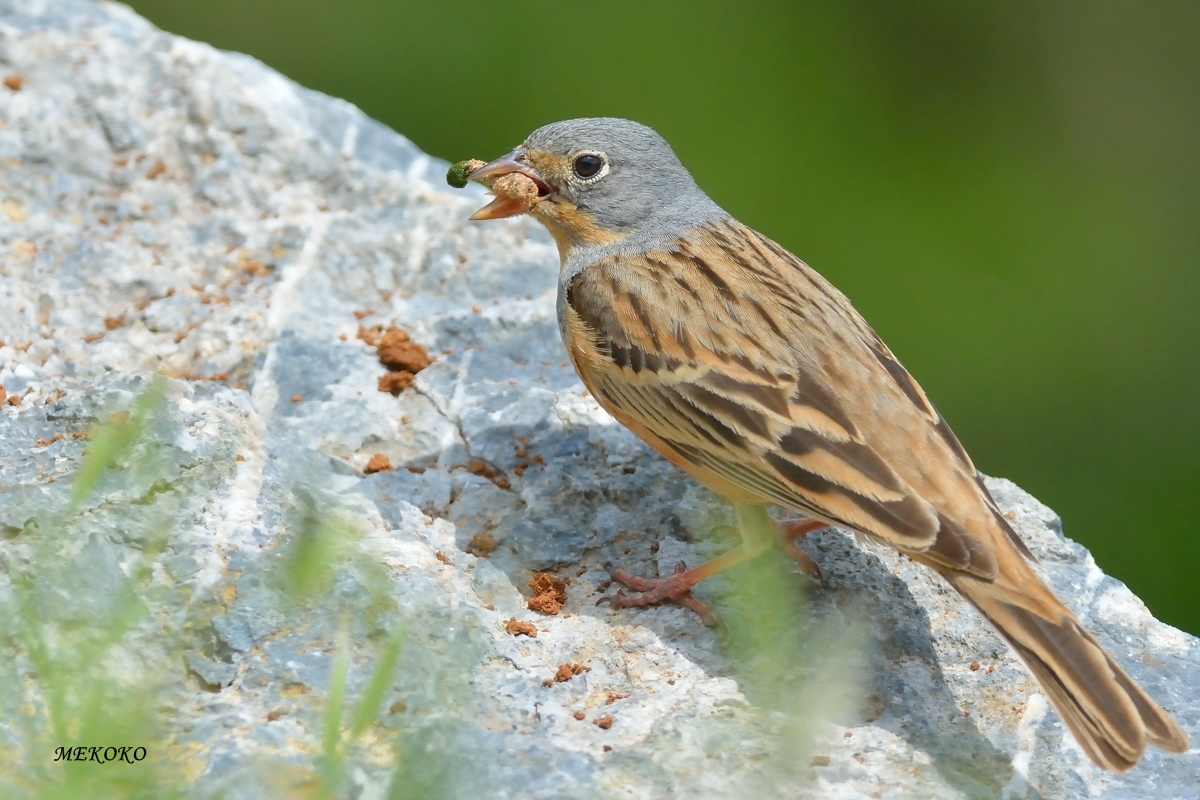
(167, 208)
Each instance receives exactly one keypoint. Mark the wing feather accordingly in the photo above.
(772, 392)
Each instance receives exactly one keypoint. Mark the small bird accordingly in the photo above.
(745, 368)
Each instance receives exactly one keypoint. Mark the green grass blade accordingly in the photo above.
(112, 441)
(336, 699)
(368, 705)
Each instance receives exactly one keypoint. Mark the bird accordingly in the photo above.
(748, 370)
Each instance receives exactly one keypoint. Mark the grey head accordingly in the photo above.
(620, 173)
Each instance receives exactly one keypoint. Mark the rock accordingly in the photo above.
(172, 209)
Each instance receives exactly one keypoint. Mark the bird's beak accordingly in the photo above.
(503, 206)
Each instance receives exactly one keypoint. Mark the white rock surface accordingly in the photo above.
(165, 207)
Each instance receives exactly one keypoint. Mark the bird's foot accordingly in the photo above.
(789, 532)
(652, 591)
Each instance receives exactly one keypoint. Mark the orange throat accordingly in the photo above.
(571, 227)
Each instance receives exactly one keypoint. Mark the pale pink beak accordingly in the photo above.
(503, 207)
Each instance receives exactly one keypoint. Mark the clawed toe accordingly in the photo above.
(652, 591)
(789, 532)
(806, 564)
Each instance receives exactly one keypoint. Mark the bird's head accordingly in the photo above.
(598, 181)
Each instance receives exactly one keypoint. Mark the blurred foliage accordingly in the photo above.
(804, 665)
(1010, 193)
(72, 668)
(93, 708)
(323, 548)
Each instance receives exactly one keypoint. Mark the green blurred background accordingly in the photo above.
(1009, 191)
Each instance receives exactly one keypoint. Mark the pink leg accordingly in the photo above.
(792, 530)
(678, 587)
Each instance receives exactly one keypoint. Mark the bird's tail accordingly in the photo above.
(1112, 718)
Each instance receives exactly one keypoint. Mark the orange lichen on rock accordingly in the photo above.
(516, 627)
(477, 466)
(397, 351)
(403, 357)
(378, 463)
(549, 593)
(567, 671)
(370, 335)
(395, 382)
(482, 544)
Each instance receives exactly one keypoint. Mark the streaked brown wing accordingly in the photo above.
(780, 390)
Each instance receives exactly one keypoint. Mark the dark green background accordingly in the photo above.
(1009, 191)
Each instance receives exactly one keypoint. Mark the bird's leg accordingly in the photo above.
(789, 532)
(677, 588)
(757, 529)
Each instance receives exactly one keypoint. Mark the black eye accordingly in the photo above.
(588, 164)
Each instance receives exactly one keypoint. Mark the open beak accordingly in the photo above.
(504, 206)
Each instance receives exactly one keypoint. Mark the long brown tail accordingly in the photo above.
(1112, 718)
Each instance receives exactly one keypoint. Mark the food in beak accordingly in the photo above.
(515, 193)
(460, 173)
(516, 187)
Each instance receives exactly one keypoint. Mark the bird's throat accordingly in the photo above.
(571, 227)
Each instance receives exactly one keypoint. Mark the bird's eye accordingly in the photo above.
(588, 165)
